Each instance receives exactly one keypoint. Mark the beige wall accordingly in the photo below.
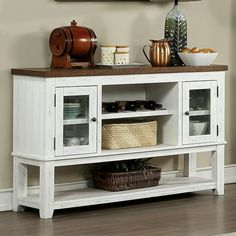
(26, 24)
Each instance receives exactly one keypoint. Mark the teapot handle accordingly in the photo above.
(145, 52)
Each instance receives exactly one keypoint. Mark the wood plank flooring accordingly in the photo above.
(194, 214)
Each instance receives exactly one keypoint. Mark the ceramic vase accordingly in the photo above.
(176, 33)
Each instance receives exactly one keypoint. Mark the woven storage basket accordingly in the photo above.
(126, 180)
(129, 135)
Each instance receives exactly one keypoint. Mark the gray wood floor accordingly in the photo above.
(187, 214)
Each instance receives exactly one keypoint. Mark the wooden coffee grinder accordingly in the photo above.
(72, 46)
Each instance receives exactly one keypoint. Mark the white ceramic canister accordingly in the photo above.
(121, 58)
(107, 54)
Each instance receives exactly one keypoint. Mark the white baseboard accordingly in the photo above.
(230, 174)
(6, 200)
(205, 172)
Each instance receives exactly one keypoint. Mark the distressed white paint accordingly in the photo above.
(137, 79)
(221, 107)
(218, 169)
(33, 144)
(94, 196)
(204, 172)
(49, 118)
(46, 195)
(118, 155)
(99, 119)
(20, 172)
(91, 196)
(107, 155)
(29, 120)
(190, 164)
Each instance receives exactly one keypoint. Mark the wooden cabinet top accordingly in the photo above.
(47, 72)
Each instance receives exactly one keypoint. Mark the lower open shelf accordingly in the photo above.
(92, 196)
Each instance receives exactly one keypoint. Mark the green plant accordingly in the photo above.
(125, 166)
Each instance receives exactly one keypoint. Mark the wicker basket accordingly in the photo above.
(126, 180)
(129, 135)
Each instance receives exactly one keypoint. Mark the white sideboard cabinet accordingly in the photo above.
(58, 118)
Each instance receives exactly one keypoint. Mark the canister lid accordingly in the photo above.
(122, 46)
(108, 46)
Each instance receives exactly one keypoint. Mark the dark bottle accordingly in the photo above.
(110, 107)
(140, 105)
(152, 105)
(148, 105)
(159, 106)
(130, 106)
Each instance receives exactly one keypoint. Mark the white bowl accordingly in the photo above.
(198, 128)
(197, 59)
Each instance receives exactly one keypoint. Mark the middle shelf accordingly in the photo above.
(133, 114)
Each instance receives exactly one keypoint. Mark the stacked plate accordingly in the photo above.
(72, 110)
(75, 141)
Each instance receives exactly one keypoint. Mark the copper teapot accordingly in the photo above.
(159, 52)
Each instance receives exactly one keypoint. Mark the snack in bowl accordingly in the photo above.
(195, 50)
(198, 56)
(186, 50)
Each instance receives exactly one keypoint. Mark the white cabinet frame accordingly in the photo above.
(187, 87)
(37, 121)
(60, 150)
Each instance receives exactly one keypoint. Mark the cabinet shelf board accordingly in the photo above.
(30, 201)
(133, 153)
(132, 114)
(137, 149)
(199, 113)
(76, 121)
(92, 196)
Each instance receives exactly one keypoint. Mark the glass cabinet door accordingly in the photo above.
(199, 108)
(76, 112)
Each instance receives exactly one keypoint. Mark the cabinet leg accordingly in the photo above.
(20, 172)
(47, 170)
(218, 169)
(190, 164)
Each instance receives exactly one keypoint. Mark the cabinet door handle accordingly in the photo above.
(187, 113)
(94, 119)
